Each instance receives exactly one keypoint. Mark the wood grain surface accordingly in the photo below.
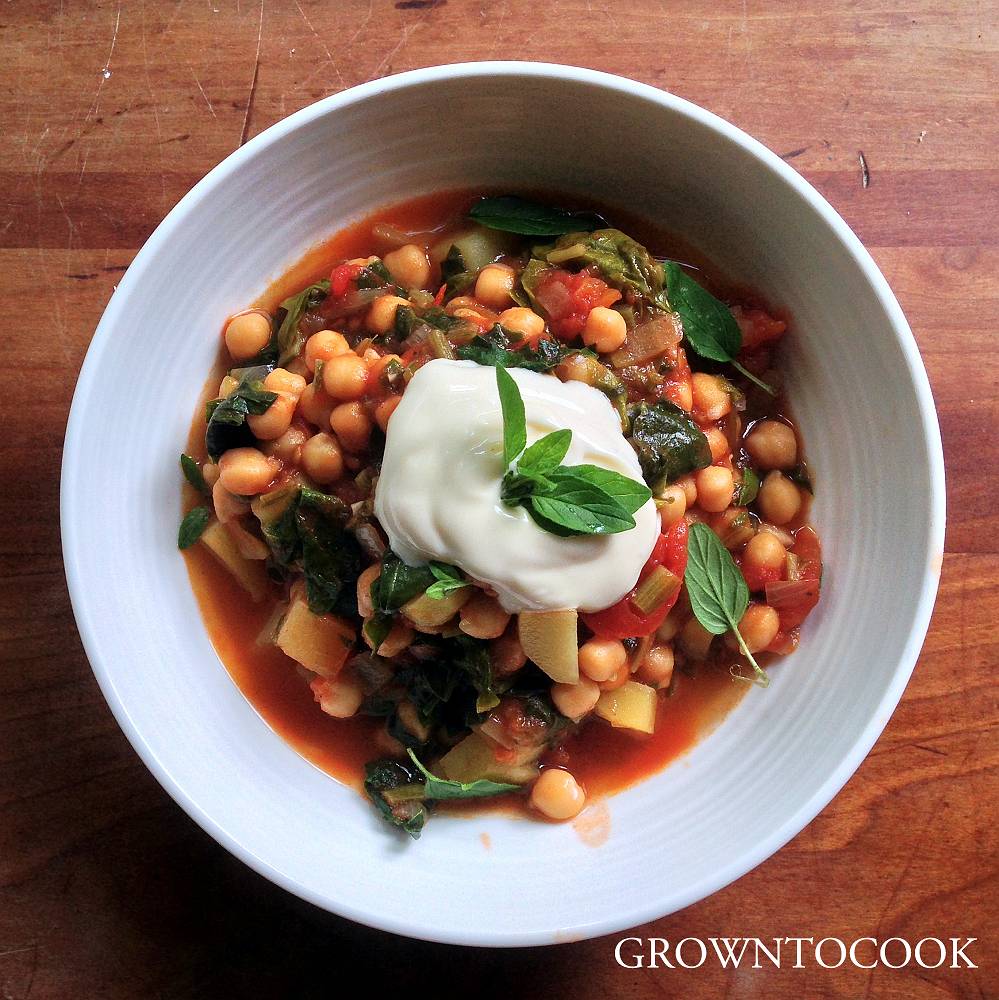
(110, 112)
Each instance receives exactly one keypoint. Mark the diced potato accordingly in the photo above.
(428, 612)
(631, 706)
(320, 642)
(249, 573)
(270, 506)
(549, 639)
(473, 759)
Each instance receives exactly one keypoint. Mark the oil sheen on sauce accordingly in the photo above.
(605, 760)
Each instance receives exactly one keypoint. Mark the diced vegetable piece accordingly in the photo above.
(474, 759)
(631, 706)
(319, 642)
(478, 246)
(549, 639)
(432, 612)
(655, 590)
(250, 574)
(655, 338)
(268, 507)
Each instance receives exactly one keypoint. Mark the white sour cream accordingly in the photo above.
(438, 496)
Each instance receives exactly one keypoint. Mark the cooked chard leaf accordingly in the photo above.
(669, 444)
(192, 473)
(709, 327)
(191, 528)
(227, 427)
(749, 486)
(382, 778)
(455, 273)
(511, 214)
(440, 789)
(622, 262)
(289, 339)
(493, 349)
(331, 557)
(398, 583)
(376, 629)
(717, 589)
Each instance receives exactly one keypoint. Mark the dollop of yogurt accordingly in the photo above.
(438, 495)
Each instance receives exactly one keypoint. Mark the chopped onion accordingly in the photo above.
(657, 337)
(792, 593)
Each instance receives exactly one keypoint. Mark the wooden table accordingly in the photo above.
(109, 113)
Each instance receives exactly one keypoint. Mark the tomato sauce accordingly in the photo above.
(603, 759)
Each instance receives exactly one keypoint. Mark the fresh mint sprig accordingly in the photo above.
(564, 500)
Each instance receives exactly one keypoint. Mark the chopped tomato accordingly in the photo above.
(568, 299)
(439, 297)
(757, 577)
(621, 621)
(800, 597)
(758, 327)
(341, 278)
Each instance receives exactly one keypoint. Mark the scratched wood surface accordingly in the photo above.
(109, 113)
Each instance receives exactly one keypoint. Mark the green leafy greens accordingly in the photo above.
(717, 590)
(511, 214)
(192, 527)
(709, 327)
(668, 442)
(192, 473)
(226, 418)
(496, 348)
(289, 339)
(564, 500)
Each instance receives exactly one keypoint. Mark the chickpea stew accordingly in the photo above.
(492, 503)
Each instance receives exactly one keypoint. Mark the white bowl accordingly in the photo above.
(860, 394)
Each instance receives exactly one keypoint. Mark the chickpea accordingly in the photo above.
(524, 321)
(285, 382)
(287, 447)
(380, 363)
(408, 265)
(483, 617)
(210, 473)
(772, 445)
(764, 552)
(506, 654)
(710, 397)
(670, 627)
(352, 425)
(672, 506)
(683, 395)
(575, 700)
(385, 410)
(381, 314)
(322, 459)
(365, 606)
(345, 377)
(714, 488)
(246, 471)
(758, 627)
(341, 697)
(601, 659)
(656, 669)
(718, 444)
(315, 404)
(226, 386)
(247, 335)
(689, 486)
(605, 330)
(324, 345)
(557, 795)
(779, 499)
(494, 285)
(275, 420)
(695, 640)
(228, 506)
(400, 637)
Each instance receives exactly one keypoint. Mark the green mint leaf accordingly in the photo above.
(708, 324)
(441, 789)
(194, 523)
(511, 214)
(668, 443)
(514, 417)
(545, 454)
(716, 588)
(631, 495)
(582, 509)
(446, 580)
(192, 473)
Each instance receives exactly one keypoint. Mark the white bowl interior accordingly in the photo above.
(858, 389)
